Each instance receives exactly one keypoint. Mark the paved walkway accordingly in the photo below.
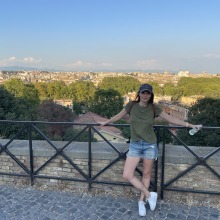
(31, 204)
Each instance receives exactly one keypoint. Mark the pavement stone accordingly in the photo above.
(33, 204)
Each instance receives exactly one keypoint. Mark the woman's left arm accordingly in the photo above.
(177, 121)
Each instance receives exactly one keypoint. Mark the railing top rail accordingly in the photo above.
(94, 124)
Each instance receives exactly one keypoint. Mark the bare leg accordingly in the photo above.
(147, 168)
(128, 174)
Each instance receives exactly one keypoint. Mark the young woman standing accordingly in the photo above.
(143, 143)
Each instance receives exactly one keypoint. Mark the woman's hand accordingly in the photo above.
(102, 123)
(197, 127)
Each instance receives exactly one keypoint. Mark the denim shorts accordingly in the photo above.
(143, 149)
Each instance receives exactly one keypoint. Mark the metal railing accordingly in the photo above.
(200, 160)
(30, 127)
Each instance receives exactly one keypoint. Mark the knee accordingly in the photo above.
(147, 174)
(127, 176)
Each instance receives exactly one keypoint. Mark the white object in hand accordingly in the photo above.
(193, 131)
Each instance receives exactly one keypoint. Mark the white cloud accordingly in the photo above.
(19, 61)
(79, 64)
(7, 61)
(31, 60)
(87, 65)
(12, 58)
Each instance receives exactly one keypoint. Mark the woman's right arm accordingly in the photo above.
(120, 115)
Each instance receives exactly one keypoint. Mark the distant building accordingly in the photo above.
(65, 102)
(109, 132)
(191, 99)
(174, 110)
(129, 97)
(184, 73)
(165, 98)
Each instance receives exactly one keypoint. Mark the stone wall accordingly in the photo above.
(177, 159)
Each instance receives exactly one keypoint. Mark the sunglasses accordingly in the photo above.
(146, 93)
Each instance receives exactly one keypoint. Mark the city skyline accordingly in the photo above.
(111, 35)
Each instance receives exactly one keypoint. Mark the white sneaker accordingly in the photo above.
(152, 200)
(141, 208)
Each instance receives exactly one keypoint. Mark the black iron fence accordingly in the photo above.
(199, 160)
(28, 128)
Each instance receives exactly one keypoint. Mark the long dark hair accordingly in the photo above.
(137, 98)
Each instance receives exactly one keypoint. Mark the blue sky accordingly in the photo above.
(111, 35)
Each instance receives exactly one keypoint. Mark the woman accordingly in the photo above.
(142, 112)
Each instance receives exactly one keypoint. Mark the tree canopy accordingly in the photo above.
(170, 89)
(57, 90)
(49, 111)
(208, 87)
(122, 84)
(8, 105)
(82, 91)
(206, 112)
(23, 90)
(15, 109)
(107, 103)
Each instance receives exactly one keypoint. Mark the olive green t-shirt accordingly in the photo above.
(141, 121)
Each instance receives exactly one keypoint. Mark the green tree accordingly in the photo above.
(77, 108)
(15, 87)
(27, 98)
(19, 89)
(8, 105)
(8, 111)
(57, 90)
(107, 103)
(42, 89)
(82, 91)
(15, 109)
(122, 84)
(212, 90)
(206, 112)
(51, 112)
(170, 89)
(30, 94)
(208, 87)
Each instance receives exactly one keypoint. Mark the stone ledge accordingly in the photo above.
(175, 154)
(178, 154)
